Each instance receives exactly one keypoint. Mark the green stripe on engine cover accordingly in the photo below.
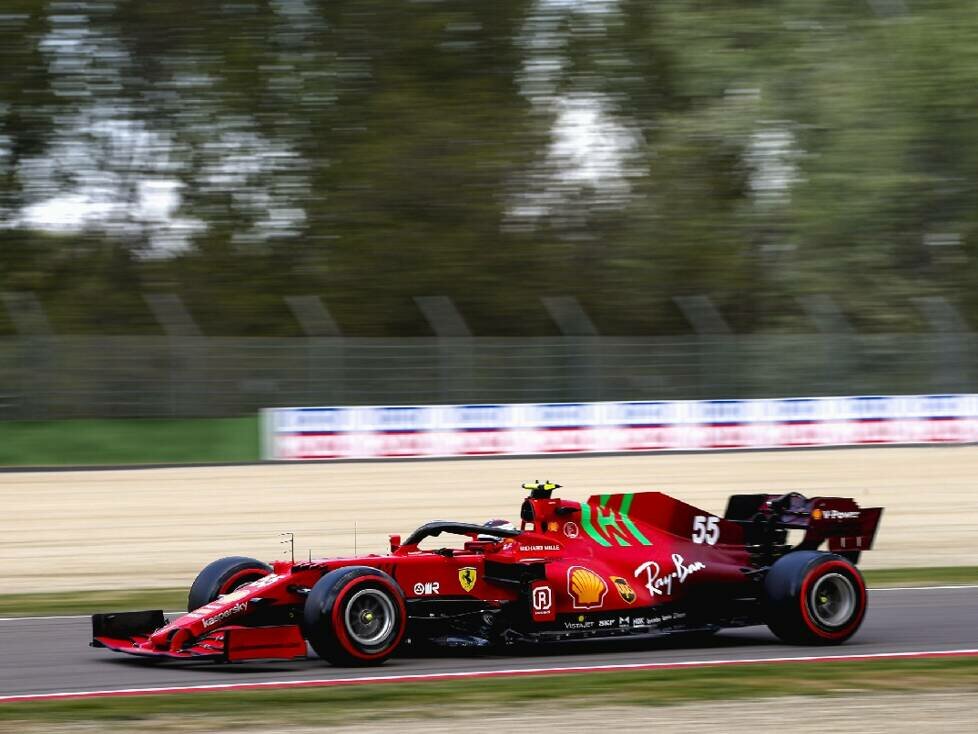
(589, 527)
(610, 520)
(626, 505)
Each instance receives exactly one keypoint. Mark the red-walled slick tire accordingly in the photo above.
(814, 598)
(355, 616)
(222, 577)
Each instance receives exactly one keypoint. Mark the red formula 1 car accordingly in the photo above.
(616, 565)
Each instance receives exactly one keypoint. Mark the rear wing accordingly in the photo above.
(766, 518)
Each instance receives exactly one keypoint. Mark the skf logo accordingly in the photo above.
(542, 602)
(428, 588)
(626, 591)
(467, 577)
(585, 587)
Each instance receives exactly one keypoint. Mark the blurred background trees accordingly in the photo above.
(621, 151)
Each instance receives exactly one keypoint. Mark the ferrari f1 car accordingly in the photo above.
(617, 565)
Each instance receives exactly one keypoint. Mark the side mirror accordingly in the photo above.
(395, 542)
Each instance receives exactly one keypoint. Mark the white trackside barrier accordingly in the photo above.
(372, 432)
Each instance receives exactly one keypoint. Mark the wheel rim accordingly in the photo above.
(369, 617)
(833, 600)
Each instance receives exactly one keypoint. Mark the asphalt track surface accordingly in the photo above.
(50, 655)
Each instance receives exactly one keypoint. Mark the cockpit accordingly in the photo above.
(473, 531)
(540, 513)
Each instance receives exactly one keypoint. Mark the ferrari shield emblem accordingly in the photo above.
(624, 589)
(467, 577)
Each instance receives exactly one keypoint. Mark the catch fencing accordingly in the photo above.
(47, 377)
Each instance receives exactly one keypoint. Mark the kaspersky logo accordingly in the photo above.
(236, 609)
(605, 526)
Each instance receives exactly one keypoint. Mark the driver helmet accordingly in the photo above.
(496, 523)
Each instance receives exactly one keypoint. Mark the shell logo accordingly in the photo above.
(816, 514)
(585, 587)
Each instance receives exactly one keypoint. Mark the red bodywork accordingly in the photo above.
(616, 564)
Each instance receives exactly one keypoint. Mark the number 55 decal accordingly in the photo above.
(706, 530)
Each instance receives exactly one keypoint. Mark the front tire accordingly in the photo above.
(355, 616)
(814, 598)
(222, 577)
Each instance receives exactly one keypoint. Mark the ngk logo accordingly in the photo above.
(542, 602)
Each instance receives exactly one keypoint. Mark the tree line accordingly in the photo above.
(620, 151)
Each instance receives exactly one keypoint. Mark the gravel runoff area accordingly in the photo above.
(951, 712)
(157, 527)
(866, 714)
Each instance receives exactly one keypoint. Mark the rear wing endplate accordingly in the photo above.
(846, 526)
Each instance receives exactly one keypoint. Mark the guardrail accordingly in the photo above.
(426, 431)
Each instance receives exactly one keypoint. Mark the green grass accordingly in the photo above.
(135, 441)
(85, 602)
(325, 706)
(89, 602)
(922, 576)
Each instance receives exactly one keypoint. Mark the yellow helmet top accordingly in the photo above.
(540, 490)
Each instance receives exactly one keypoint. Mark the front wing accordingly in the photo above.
(129, 632)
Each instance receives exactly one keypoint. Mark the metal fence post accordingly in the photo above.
(581, 340)
(37, 360)
(313, 316)
(324, 363)
(836, 333)
(184, 340)
(454, 347)
(952, 341)
(717, 345)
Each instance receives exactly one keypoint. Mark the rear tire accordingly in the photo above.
(355, 616)
(222, 577)
(814, 598)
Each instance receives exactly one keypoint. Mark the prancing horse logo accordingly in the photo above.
(467, 577)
